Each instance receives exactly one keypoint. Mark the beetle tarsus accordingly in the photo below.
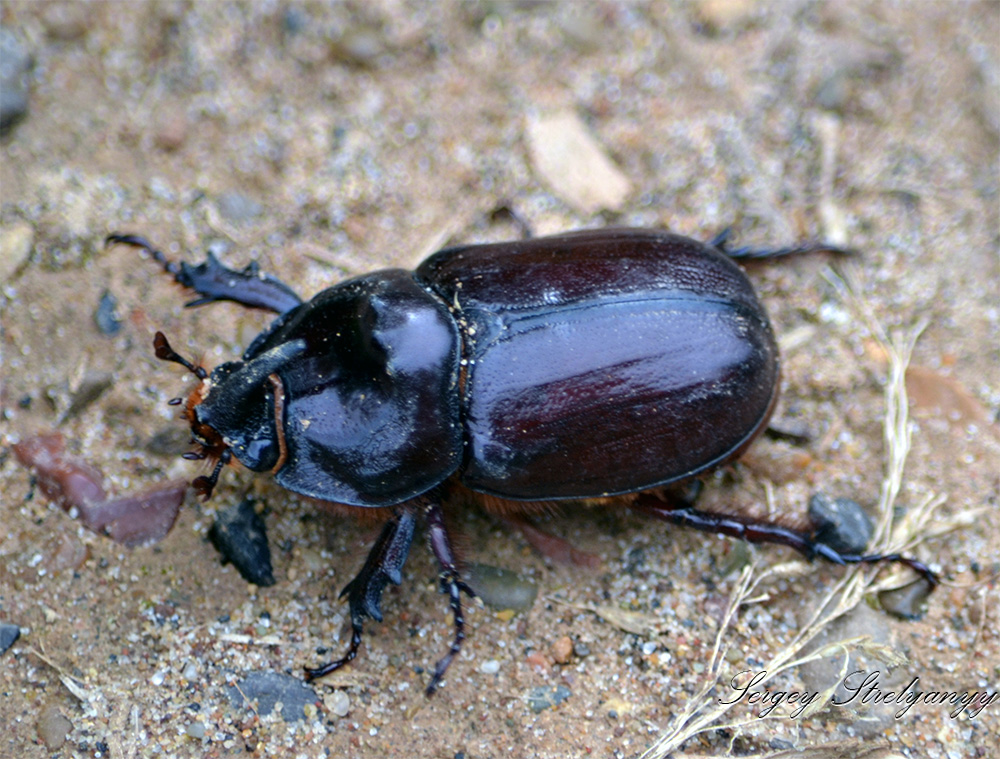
(333, 666)
(384, 565)
(832, 555)
(454, 587)
(137, 241)
(682, 513)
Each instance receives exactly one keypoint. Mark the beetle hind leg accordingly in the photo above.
(451, 583)
(364, 593)
(683, 513)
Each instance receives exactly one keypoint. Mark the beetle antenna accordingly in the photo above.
(165, 353)
(204, 486)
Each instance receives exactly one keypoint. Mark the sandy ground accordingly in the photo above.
(325, 142)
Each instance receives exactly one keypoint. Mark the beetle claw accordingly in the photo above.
(364, 593)
(333, 666)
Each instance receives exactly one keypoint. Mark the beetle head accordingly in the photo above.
(233, 410)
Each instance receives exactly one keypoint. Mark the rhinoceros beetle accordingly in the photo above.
(585, 365)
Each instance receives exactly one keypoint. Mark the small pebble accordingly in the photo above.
(358, 46)
(196, 730)
(840, 523)
(91, 387)
(65, 551)
(238, 208)
(172, 441)
(66, 21)
(500, 588)
(717, 16)
(907, 602)
(294, 20)
(106, 316)
(581, 649)
(53, 727)
(490, 667)
(585, 28)
(15, 63)
(562, 650)
(338, 703)
(17, 240)
(567, 157)
(171, 132)
(546, 696)
(537, 660)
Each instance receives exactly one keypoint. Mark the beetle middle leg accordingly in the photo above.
(754, 530)
(451, 583)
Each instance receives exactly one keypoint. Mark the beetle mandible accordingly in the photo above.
(584, 365)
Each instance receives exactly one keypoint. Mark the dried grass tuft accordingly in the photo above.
(703, 712)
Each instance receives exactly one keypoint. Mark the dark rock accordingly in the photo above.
(240, 536)
(840, 523)
(8, 635)
(267, 689)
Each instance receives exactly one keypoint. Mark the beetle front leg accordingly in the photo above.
(364, 593)
(214, 282)
(682, 512)
(451, 583)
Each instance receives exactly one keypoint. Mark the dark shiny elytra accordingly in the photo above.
(604, 362)
(580, 365)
